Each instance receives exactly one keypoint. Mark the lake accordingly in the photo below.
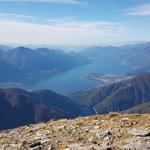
(76, 79)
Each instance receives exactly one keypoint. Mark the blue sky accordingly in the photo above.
(74, 22)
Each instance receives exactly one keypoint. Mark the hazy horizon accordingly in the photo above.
(76, 48)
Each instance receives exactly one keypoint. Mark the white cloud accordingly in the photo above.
(50, 1)
(24, 29)
(16, 16)
(140, 10)
(59, 32)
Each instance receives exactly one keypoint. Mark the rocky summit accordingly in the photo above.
(99, 132)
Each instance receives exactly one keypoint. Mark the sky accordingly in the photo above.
(74, 22)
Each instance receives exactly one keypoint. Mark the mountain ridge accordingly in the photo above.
(34, 65)
(23, 107)
(117, 96)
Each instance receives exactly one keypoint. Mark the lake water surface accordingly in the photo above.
(76, 79)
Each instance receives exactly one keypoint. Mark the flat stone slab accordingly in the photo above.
(137, 132)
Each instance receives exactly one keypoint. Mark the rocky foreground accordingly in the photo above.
(100, 132)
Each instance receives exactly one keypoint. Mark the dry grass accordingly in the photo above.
(113, 114)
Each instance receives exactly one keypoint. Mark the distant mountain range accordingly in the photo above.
(5, 48)
(28, 66)
(136, 55)
(118, 96)
(19, 107)
(139, 71)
